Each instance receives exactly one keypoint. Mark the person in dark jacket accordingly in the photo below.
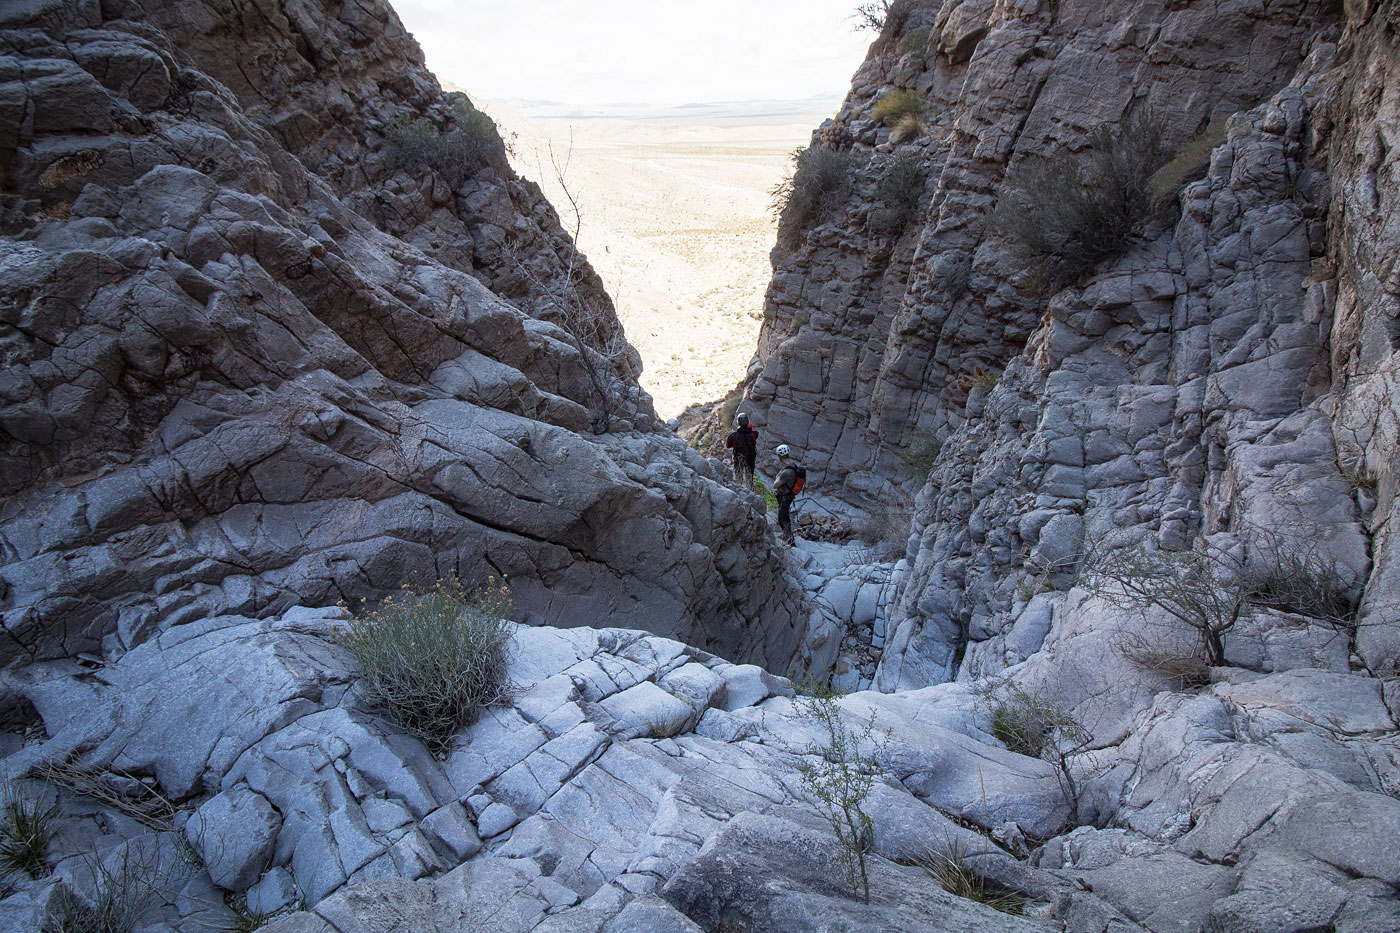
(786, 487)
(743, 440)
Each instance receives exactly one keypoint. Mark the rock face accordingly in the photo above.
(1226, 383)
(253, 356)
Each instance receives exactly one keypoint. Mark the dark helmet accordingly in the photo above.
(743, 420)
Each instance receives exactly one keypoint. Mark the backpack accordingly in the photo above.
(801, 479)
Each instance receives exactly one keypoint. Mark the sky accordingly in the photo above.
(662, 53)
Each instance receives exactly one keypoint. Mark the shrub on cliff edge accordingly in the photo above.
(456, 152)
(432, 658)
(820, 181)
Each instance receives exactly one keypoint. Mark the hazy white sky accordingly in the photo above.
(658, 52)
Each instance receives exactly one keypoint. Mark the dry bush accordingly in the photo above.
(467, 144)
(1037, 725)
(899, 191)
(1184, 669)
(124, 793)
(818, 185)
(1063, 217)
(432, 659)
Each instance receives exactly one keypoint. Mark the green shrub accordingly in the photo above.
(818, 185)
(1035, 724)
(1061, 218)
(431, 659)
(899, 191)
(981, 378)
(24, 834)
(897, 104)
(467, 144)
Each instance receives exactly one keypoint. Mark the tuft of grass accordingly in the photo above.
(124, 892)
(914, 42)
(896, 105)
(122, 792)
(818, 185)
(815, 688)
(468, 142)
(244, 919)
(431, 659)
(25, 834)
(665, 728)
(960, 879)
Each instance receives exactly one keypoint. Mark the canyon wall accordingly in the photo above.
(1230, 370)
(281, 327)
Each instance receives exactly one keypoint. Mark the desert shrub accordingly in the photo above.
(872, 15)
(431, 659)
(1037, 725)
(897, 104)
(114, 789)
(1209, 588)
(959, 878)
(980, 378)
(951, 274)
(1189, 163)
(886, 529)
(837, 776)
(819, 183)
(24, 834)
(899, 190)
(915, 41)
(1063, 217)
(921, 452)
(469, 142)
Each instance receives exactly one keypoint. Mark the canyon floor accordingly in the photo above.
(675, 217)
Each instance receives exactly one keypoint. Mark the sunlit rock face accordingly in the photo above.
(257, 357)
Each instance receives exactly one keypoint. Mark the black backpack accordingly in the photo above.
(743, 441)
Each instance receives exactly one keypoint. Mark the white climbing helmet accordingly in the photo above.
(783, 450)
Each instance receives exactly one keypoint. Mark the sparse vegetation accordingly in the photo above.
(24, 834)
(1183, 669)
(1037, 725)
(886, 529)
(1063, 217)
(896, 104)
(123, 891)
(980, 378)
(127, 795)
(1210, 588)
(819, 183)
(665, 728)
(914, 42)
(1189, 163)
(921, 452)
(872, 16)
(837, 776)
(770, 499)
(899, 191)
(457, 151)
(431, 659)
(955, 875)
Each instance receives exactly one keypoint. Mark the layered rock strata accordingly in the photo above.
(250, 361)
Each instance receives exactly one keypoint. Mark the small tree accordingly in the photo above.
(837, 776)
(871, 16)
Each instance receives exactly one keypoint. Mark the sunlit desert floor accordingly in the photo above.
(675, 217)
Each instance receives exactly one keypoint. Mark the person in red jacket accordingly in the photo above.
(743, 440)
(789, 482)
